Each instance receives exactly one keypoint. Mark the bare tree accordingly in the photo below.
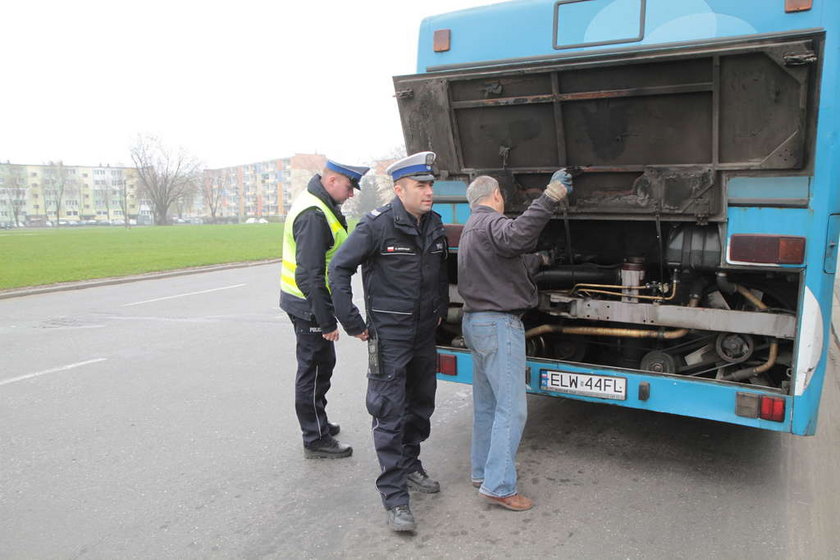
(13, 192)
(166, 175)
(57, 183)
(395, 153)
(116, 193)
(186, 201)
(370, 197)
(213, 191)
(104, 186)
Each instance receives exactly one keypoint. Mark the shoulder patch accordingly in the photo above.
(373, 214)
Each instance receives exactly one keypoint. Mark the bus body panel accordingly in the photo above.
(805, 203)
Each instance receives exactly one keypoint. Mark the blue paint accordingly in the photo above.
(526, 28)
(614, 21)
(450, 188)
(684, 396)
(830, 259)
(780, 188)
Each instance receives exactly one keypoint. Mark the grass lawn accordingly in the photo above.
(32, 257)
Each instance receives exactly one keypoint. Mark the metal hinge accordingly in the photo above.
(404, 93)
(492, 89)
(800, 59)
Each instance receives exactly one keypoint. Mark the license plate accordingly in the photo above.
(601, 386)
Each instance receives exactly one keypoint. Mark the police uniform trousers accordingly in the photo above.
(316, 360)
(401, 399)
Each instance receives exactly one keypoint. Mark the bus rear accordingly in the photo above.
(694, 262)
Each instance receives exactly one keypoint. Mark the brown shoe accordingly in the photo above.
(517, 502)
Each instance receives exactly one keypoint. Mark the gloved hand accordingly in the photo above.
(559, 186)
(546, 257)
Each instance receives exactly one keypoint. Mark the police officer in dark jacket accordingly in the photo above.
(402, 249)
(315, 229)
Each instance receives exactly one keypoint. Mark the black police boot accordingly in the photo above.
(401, 519)
(420, 481)
(334, 428)
(327, 449)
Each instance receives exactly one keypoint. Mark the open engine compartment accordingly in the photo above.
(643, 274)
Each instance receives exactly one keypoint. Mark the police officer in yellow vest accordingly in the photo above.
(315, 229)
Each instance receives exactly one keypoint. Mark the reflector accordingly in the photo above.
(442, 40)
(770, 249)
(798, 5)
(447, 364)
(453, 234)
(791, 250)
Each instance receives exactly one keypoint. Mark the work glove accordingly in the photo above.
(559, 186)
(546, 257)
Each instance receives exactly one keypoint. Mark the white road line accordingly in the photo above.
(54, 370)
(183, 295)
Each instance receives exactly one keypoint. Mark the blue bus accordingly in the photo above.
(694, 262)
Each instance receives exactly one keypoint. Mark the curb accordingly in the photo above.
(81, 285)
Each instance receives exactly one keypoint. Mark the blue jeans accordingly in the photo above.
(497, 343)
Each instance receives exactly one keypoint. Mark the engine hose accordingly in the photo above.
(611, 331)
(569, 275)
(746, 373)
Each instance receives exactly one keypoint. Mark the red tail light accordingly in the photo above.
(772, 408)
(447, 364)
(771, 249)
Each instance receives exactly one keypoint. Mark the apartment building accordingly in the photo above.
(53, 193)
(56, 193)
(255, 190)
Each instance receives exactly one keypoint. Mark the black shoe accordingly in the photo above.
(400, 519)
(334, 428)
(328, 449)
(420, 481)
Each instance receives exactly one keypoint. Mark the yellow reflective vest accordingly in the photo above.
(305, 201)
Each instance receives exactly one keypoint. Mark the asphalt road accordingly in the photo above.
(155, 420)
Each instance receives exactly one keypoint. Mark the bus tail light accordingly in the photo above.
(447, 364)
(772, 408)
(798, 5)
(453, 234)
(769, 249)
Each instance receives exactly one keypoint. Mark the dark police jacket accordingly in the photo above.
(313, 238)
(403, 272)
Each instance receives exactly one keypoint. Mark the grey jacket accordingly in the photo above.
(494, 269)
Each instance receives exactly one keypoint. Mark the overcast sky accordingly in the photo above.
(233, 82)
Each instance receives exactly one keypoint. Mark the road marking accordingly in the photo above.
(53, 370)
(183, 295)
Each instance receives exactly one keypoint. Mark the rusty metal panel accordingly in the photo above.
(651, 135)
(503, 86)
(651, 130)
(651, 74)
(518, 136)
(762, 113)
(665, 190)
(424, 112)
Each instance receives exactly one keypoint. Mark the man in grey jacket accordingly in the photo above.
(494, 279)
